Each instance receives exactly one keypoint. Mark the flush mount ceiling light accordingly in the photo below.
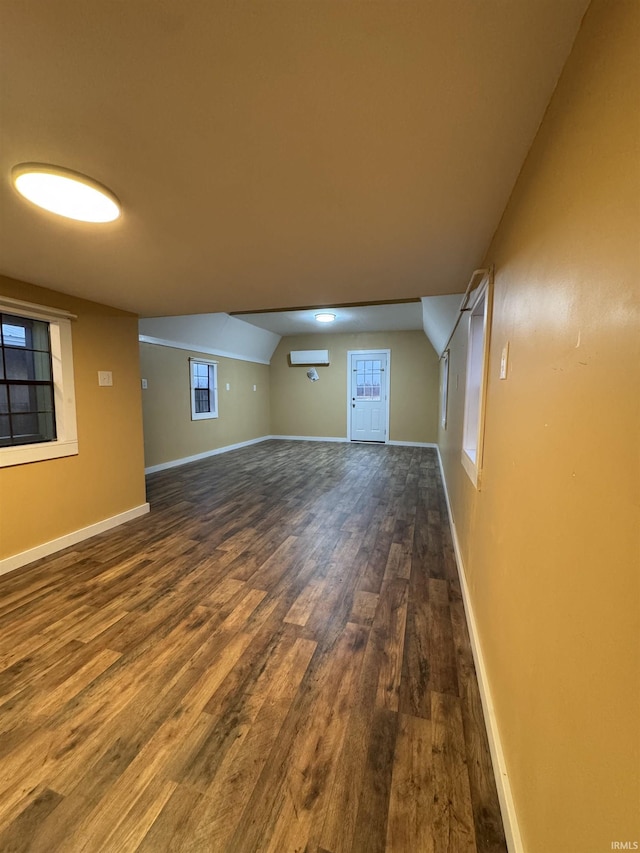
(65, 192)
(325, 318)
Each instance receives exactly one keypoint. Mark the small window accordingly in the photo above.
(204, 389)
(477, 360)
(37, 400)
(444, 389)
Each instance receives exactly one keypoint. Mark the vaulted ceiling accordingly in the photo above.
(271, 154)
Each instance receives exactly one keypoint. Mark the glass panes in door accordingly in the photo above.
(368, 379)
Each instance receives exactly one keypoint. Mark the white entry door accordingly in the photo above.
(368, 395)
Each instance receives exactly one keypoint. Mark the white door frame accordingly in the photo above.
(387, 353)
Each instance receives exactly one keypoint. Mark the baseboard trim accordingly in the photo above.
(309, 438)
(347, 440)
(175, 463)
(505, 796)
(413, 444)
(9, 564)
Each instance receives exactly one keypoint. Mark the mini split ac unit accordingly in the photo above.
(309, 356)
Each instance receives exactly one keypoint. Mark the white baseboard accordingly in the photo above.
(308, 438)
(413, 444)
(507, 806)
(175, 463)
(9, 564)
(344, 439)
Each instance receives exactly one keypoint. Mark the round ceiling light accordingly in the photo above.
(325, 318)
(65, 192)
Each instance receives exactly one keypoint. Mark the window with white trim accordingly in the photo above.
(204, 388)
(476, 380)
(37, 396)
(444, 388)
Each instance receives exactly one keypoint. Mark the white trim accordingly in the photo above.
(444, 388)
(412, 443)
(29, 309)
(473, 429)
(161, 342)
(9, 564)
(342, 439)
(175, 463)
(387, 353)
(505, 796)
(212, 381)
(339, 438)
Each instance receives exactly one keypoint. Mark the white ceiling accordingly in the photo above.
(271, 154)
(364, 318)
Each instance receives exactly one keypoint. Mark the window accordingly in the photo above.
(37, 399)
(477, 360)
(27, 414)
(368, 379)
(444, 389)
(204, 389)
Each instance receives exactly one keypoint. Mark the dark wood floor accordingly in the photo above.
(276, 659)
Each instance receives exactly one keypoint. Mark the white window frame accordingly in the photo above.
(64, 397)
(213, 389)
(444, 389)
(479, 333)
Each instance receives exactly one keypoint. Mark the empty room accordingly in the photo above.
(319, 419)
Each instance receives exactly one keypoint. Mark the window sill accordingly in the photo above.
(204, 416)
(469, 465)
(22, 455)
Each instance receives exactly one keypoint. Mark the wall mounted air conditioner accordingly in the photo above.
(309, 356)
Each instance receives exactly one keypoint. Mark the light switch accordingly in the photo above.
(105, 378)
(255, 387)
(504, 361)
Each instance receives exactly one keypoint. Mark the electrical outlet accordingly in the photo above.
(228, 386)
(255, 387)
(105, 378)
(145, 384)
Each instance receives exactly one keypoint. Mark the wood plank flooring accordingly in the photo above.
(275, 659)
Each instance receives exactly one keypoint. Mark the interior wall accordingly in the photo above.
(44, 500)
(169, 432)
(303, 408)
(550, 545)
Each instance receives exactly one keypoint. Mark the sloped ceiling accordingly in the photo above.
(214, 333)
(439, 315)
(271, 154)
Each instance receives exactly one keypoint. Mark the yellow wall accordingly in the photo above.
(551, 544)
(301, 407)
(169, 432)
(41, 501)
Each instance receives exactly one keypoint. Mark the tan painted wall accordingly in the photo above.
(551, 544)
(301, 407)
(44, 500)
(169, 432)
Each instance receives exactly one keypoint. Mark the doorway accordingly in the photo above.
(368, 395)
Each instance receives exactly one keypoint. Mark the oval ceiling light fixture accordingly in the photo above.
(325, 317)
(65, 192)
